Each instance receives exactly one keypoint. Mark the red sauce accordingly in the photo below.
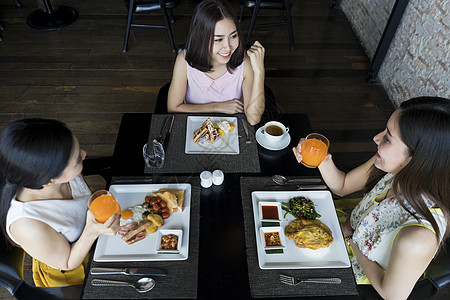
(269, 212)
(272, 239)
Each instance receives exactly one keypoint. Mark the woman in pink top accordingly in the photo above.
(215, 73)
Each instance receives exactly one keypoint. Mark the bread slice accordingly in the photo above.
(169, 197)
(179, 194)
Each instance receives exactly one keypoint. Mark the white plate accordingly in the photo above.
(113, 248)
(226, 144)
(270, 203)
(283, 143)
(163, 232)
(280, 231)
(335, 256)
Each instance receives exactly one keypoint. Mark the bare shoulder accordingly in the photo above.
(416, 241)
(29, 229)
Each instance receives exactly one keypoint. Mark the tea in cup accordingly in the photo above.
(274, 131)
(314, 150)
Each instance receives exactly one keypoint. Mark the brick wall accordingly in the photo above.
(417, 63)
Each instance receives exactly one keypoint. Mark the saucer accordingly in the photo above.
(283, 143)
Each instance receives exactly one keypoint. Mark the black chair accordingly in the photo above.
(284, 6)
(51, 18)
(136, 6)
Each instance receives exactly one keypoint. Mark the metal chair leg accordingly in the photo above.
(128, 27)
(166, 21)
(252, 22)
(241, 13)
(289, 20)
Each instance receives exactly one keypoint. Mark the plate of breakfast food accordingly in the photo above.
(154, 224)
(212, 135)
(305, 234)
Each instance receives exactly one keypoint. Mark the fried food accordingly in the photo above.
(179, 194)
(208, 131)
(169, 197)
(312, 234)
(151, 229)
(156, 219)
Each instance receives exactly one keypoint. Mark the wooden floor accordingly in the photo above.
(79, 74)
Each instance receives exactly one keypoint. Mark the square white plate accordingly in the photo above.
(335, 256)
(113, 248)
(226, 144)
(163, 232)
(270, 203)
(280, 231)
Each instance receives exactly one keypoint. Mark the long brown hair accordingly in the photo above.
(424, 125)
(199, 42)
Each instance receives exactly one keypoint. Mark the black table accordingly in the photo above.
(222, 269)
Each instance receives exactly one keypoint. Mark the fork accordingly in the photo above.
(291, 280)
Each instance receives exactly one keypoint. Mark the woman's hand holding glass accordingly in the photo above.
(110, 227)
(316, 154)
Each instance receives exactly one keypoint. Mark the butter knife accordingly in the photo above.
(296, 187)
(128, 271)
(244, 124)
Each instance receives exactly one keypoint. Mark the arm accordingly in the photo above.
(413, 250)
(177, 93)
(253, 85)
(50, 247)
(340, 183)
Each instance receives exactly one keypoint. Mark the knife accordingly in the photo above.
(128, 271)
(166, 138)
(296, 187)
(246, 131)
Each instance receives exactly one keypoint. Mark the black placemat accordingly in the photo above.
(182, 275)
(177, 161)
(266, 283)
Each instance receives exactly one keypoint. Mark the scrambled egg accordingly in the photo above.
(309, 234)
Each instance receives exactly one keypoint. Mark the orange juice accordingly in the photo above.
(103, 207)
(314, 150)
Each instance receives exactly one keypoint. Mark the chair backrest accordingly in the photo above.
(11, 265)
(438, 272)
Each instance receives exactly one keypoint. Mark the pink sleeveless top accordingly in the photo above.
(203, 89)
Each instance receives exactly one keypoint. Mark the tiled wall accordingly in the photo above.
(418, 61)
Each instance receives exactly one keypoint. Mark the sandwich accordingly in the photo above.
(173, 198)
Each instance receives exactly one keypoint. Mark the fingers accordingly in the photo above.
(298, 150)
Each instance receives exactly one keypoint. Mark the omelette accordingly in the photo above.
(312, 234)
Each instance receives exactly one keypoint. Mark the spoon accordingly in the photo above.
(143, 285)
(281, 180)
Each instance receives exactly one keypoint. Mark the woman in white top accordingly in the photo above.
(44, 199)
(399, 225)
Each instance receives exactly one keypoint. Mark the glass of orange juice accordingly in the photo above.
(314, 150)
(103, 205)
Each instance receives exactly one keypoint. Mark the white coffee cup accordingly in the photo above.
(274, 131)
(217, 177)
(206, 179)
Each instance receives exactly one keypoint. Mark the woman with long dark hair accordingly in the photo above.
(44, 198)
(215, 73)
(400, 224)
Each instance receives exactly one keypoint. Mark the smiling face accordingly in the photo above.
(392, 155)
(225, 42)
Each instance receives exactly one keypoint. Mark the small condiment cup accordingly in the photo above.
(217, 177)
(274, 131)
(206, 179)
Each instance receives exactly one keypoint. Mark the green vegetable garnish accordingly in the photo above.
(301, 208)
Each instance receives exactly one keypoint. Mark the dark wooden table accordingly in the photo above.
(222, 265)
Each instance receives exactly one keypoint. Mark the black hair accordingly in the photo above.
(199, 42)
(32, 152)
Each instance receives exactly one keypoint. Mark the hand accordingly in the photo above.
(110, 227)
(347, 230)
(256, 55)
(230, 107)
(298, 150)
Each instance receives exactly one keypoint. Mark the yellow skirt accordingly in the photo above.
(46, 276)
